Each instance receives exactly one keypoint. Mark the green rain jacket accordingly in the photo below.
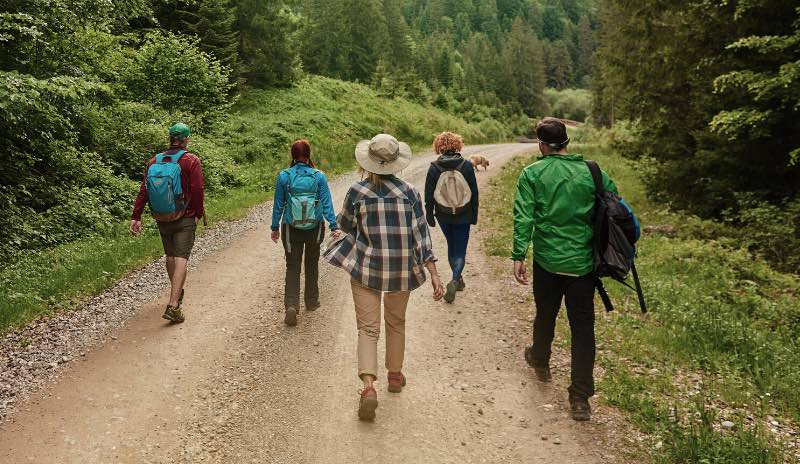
(553, 209)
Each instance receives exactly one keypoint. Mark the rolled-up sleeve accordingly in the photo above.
(278, 202)
(421, 233)
(523, 217)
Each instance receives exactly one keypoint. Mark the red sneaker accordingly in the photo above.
(368, 404)
(396, 382)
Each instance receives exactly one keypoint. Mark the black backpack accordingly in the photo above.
(616, 231)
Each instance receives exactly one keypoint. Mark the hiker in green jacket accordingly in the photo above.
(553, 210)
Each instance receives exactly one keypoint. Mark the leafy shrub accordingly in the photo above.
(574, 104)
(173, 73)
(772, 231)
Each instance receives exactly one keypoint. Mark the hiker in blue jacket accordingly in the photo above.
(302, 199)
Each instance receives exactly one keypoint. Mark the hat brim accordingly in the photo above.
(371, 165)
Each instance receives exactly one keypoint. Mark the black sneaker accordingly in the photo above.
(461, 285)
(291, 316)
(579, 409)
(542, 372)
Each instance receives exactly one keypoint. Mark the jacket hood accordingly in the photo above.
(450, 160)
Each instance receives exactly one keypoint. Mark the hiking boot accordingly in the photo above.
(450, 294)
(579, 409)
(396, 382)
(313, 306)
(290, 318)
(367, 404)
(174, 314)
(542, 372)
(461, 285)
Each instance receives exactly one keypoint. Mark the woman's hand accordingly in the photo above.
(438, 288)
(336, 234)
(276, 234)
(436, 282)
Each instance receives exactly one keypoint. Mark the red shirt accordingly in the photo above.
(192, 182)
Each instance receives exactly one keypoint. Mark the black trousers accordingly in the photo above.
(578, 293)
(297, 245)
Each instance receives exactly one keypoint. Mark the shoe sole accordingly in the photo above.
(581, 417)
(174, 320)
(450, 295)
(291, 317)
(366, 410)
(312, 308)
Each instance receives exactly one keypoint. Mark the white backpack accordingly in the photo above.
(452, 193)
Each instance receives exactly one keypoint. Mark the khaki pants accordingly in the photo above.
(368, 319)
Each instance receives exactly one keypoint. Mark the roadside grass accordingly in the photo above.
(720, 342)
(332, 115)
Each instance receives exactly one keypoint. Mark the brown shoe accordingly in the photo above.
(290, 317)
(579, 409)
(367, 404)
(396, 382)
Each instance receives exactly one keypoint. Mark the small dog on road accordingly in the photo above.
(479, 160)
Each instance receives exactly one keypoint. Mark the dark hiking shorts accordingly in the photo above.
(178, 237)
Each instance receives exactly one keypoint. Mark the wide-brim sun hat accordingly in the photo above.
(383, 154)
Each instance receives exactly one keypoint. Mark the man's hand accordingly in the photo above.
(276, 234)
(336, 234)
(196, 220)
(520, 273)
(135, 227)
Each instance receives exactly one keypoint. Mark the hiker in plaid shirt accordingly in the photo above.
(385, 246)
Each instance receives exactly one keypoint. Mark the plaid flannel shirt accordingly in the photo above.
(387, 240)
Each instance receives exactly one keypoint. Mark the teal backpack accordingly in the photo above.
(302, 198)
(164, 189)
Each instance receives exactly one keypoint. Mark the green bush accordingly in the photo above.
(172, 72)
(574, 104)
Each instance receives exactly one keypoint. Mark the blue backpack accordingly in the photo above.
(302, 198)
(164, 189)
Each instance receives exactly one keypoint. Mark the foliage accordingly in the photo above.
(171, 72)
(574, 104)
(714, 89)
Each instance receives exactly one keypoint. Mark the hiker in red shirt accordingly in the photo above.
(173, 187)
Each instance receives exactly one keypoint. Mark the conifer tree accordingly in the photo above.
(522, 69)
(266, 46)
(558, 65)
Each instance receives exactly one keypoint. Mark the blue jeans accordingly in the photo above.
(457, 236)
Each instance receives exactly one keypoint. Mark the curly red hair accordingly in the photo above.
(448, 142)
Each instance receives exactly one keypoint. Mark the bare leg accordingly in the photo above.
(170, 267)
(367, 379)
(177, 278)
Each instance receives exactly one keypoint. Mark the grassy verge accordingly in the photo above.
(720, 343)
(332, 115)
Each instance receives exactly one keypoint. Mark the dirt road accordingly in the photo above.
(234, 385)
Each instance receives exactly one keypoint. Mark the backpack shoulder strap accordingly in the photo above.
(159, 158)
(177, 156)
(597, 176)
(437, 166)
(461, 165)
